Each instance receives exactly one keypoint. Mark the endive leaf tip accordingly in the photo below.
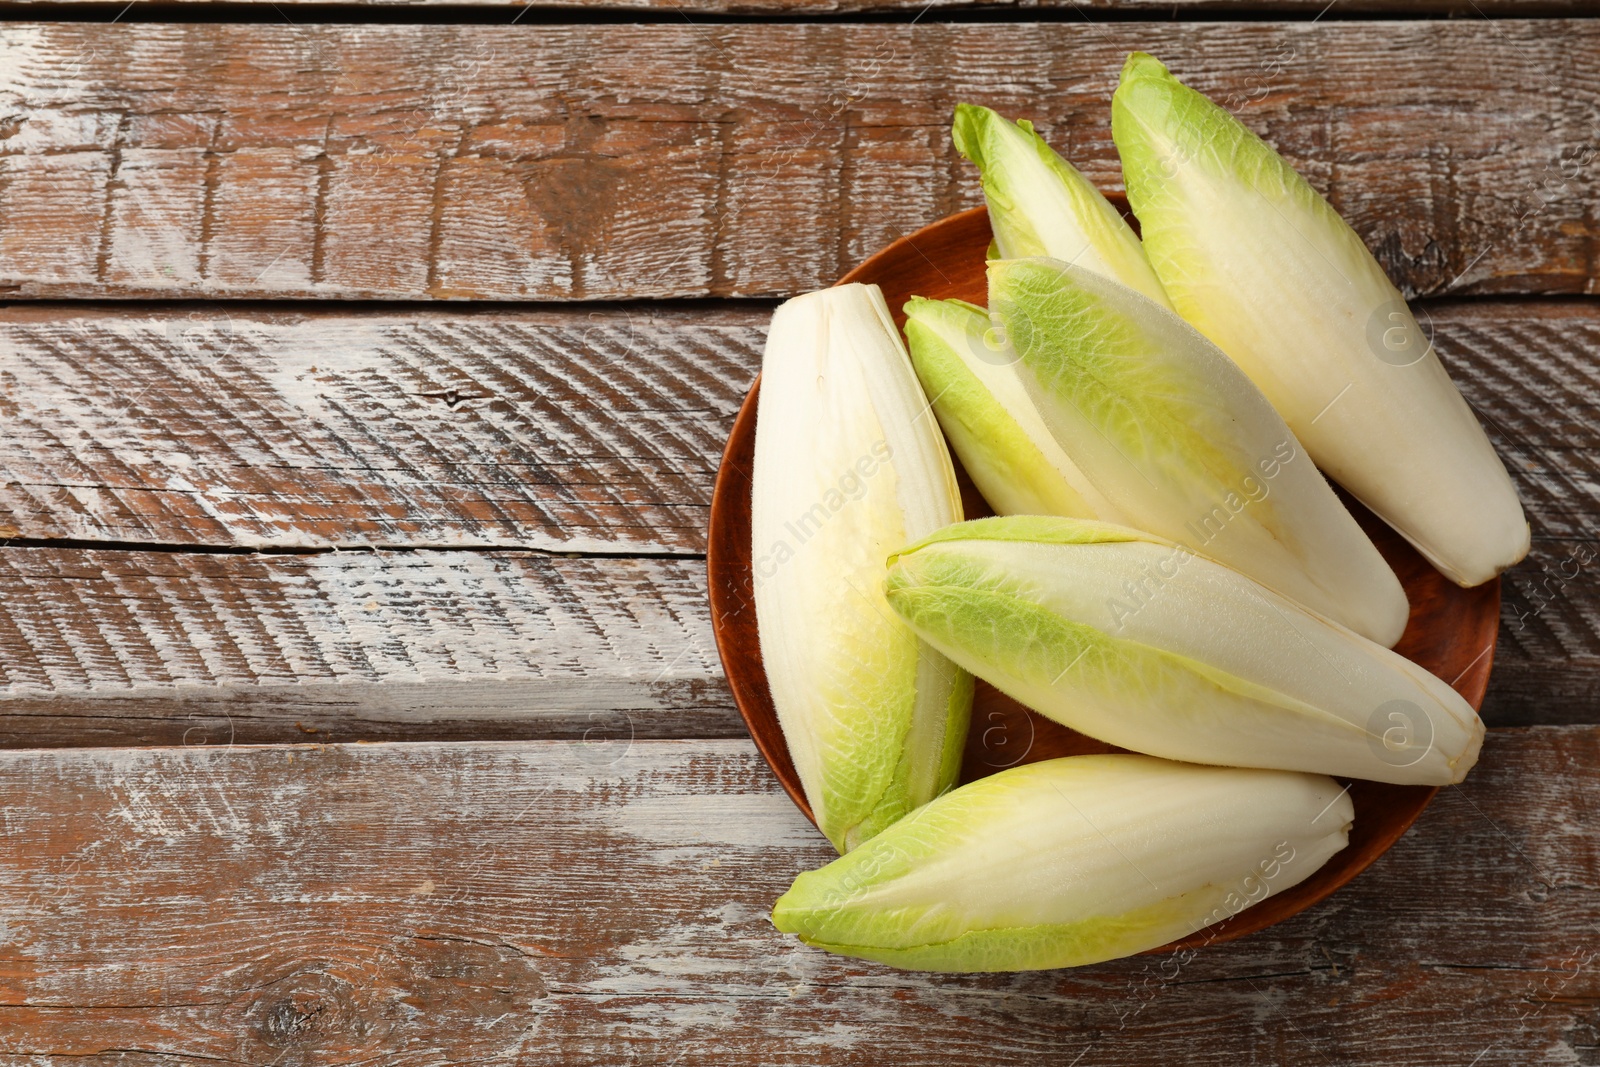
(1035, 269)
(1143, 64)
(783, 913)
(972, 121)
(965, 130)
(962, 893)
(1145, 84)
(927, 306)
(1040, 529)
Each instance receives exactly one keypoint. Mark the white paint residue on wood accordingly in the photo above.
(699, 827)
(553, 431)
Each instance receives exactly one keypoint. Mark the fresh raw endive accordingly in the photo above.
(1068, 862)
(988, 417)
(1139, 642)
(1039, 205)
(849, 466)
(1263, 266)
(1180, 442)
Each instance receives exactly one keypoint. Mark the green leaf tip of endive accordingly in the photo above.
(974, 128)
(1041, 205)
(1258, 260)
(966, 131)
(1160, 124)
(1067, 862)
(1143, 65)
(1035, 529)
(968, 373)
(846, 468)
(927, 306)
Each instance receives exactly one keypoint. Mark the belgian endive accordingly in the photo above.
(1040, 205)
(1139, 642)
(1257, 260)
(966, 369)
(848, 467)
(1068, 862)
(1181, 444)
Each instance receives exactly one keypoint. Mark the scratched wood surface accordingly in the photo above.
(521, 9)
(116, 647)
(565, 431)
(680, 159)
(570, 431)
(478, 528)
(607, 904)
(573, 431)
(119, 647)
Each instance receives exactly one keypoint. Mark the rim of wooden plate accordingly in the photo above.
(1452, 631)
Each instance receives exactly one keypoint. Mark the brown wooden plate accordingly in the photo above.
(1452, 630)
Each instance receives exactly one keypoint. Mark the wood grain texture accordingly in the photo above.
(620, 161)
(423, 905)
(1532, 374)
(1040, 8)
(104, 647)
(116, 648)
(570, 431)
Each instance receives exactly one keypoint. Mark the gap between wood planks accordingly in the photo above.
(104, 639)
(683, 159)
(334, 927)
(778, 12)
(551, 904)
(69, 543)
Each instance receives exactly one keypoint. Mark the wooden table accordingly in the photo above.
(363, 376)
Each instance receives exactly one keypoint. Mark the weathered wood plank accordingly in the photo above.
(101, 647)
(564, 430)
(516, 9)
(620, 161)
(1532, 372)
(422, 905)
(105, 647)
(1547, 664)
(570, 431)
